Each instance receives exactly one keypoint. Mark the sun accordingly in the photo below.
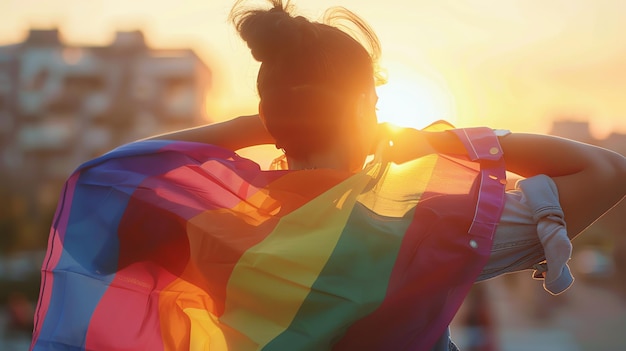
(413, 98)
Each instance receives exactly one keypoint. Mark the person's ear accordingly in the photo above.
(365, 125)
(262, 114)
(264, 121)
(365, 111)
(360, 106)
(366, 108)
(359, 121)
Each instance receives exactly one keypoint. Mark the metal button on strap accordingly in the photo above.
(473, 244)
(494, 150)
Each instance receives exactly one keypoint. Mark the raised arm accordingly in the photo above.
(590, 180)
(234, 134)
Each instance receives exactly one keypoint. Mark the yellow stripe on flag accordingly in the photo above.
(205, 334)
(273, 278)
(400, 187)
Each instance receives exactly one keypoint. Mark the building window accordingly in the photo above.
(5, 83)
(49, 136)
(72, 56)
(83, 84)
(37, 81)
(179, 97)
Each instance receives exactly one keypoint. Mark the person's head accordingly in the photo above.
(316, 83)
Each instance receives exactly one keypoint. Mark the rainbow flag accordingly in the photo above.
(163, 245)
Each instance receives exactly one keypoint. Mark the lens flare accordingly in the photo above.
(414, 99)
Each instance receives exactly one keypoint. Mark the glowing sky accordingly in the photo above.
(512, 64)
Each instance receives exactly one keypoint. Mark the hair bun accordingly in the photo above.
(270, 33)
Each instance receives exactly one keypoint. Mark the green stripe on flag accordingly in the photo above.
(272, 279)
(352, 284)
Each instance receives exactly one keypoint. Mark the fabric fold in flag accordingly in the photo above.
(165, 245)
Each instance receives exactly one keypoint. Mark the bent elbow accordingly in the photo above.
(617, 165)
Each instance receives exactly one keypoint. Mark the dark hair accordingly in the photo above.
(310, 72)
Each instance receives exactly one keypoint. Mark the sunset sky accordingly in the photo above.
(511, 64)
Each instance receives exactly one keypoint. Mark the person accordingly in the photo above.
(363, 236)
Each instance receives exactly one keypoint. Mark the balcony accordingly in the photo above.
(44, 136)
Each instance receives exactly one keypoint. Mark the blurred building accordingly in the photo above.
(580, 131)
(63, 104)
